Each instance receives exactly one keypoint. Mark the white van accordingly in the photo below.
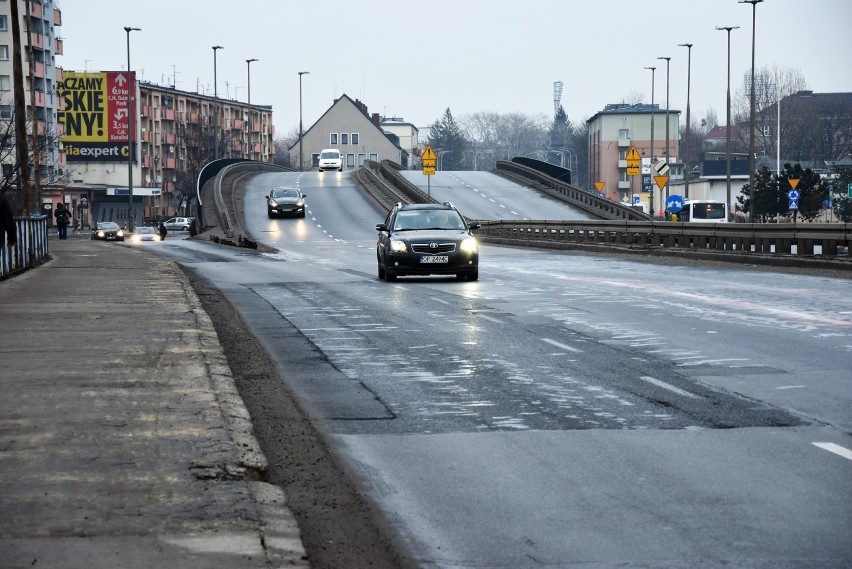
(331, 159)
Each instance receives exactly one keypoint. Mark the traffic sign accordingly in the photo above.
(793, 182)
(794, 204)
(849, 191)
(662, 168)
(599, 186)
(674, 203)
(633, 160)
(793, 194)
(661, 181)
(429, 160)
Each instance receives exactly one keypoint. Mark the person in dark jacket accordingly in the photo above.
(163, 231)
(8, 228)
(63, 218)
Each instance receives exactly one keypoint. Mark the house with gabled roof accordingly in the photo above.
(348, 127)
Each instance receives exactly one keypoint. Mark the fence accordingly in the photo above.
(32, 245)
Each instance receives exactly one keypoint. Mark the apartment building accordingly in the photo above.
(39, 22)
(617, 128)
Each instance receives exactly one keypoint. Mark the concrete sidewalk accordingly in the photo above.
(123, 442)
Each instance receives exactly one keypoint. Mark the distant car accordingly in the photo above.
(330, 159)
(107, 231)
(145, 234)
(179, 223)
(285, 201)
(427, 239)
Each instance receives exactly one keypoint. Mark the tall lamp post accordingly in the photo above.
(130, 124)
(754, 4)
(728, 120)
(215, 106)
(301, 160)
(688, 46)
(668, 59)
(248, 83)
(651, 197)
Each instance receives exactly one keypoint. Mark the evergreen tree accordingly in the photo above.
(448, 141)
(768, 203)
(559, 139)
(812, 193)
(842, 203)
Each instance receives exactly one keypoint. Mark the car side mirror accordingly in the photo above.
(381, 227)
(474, 225)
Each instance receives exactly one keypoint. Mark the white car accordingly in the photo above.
(331, 159)
(145, 234)
(179, 223)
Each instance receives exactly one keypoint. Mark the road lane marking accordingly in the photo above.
(441, 300)
(669, 386)
(836, 449)
(561, 345)
(490, 318)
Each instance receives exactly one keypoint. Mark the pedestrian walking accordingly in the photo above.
(8, 228)
(63, 217)
(163, 231)
(77, 225)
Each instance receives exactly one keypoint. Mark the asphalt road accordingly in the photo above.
(564, 410)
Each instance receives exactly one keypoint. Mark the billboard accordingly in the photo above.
(96, 116)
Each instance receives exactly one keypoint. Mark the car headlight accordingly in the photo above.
(101, 233)
(300, 203)
(398, 246)
(137, 238)
(120, 233)
(273, 203)
(469, 245)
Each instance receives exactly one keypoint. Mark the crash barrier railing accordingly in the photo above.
(384, 192)
(31, 249)
(824, 240)
(593, 204)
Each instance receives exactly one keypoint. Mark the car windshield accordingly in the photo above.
(329, 155)
(145, 230)
(428, 219)
(107, 225)
(285, 194)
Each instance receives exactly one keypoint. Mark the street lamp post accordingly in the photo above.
(301, 159)
(754, 4)
(688, 46)
(130, 124)
(215, 106)
(248, 83)
(728, 120)
(668, 59)
(651, 197)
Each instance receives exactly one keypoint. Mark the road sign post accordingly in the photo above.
(429, 160)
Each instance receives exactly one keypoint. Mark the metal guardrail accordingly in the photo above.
(223, 211)
(823, 240)
(31, 248)
(602, 208)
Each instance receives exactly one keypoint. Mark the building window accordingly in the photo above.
(332, 139)
(344, 138)
(5, 111)
(5, 83)
(355, 138)
(374, 157)
(361, 159)
(4, 52)
(350, 160)
(4, 23)
(623, 134)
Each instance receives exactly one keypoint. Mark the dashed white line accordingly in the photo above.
(836, 449)
(561, 345)
(441, 300)
(668, 386)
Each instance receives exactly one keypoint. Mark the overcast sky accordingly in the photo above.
(413, 59)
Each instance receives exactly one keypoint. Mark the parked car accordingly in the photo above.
(145, 233)
(285, 201)
(427, 239)
(331, 159)
(107, 231)
(179, 223)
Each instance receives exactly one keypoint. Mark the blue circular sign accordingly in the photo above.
(674, 203)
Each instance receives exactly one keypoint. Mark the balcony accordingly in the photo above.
(169, 163)
(255, 127)
(168, 138)
(57, 17)
(168, 115)
(624, 185)
(37, 40)
(146, 111)
(146, 136)
(622, 163)
(194, 118)
(40, 99)
(36, 10)
(237, 125)
(59, 76)
(38, 69)
(624, 143)
(60, 48)
(236, 145)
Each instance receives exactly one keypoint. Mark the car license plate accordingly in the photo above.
(434, 259)
(111, 237)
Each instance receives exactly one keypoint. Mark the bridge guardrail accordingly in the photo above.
(746, 239)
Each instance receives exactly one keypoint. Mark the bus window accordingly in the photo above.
(709, 211)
